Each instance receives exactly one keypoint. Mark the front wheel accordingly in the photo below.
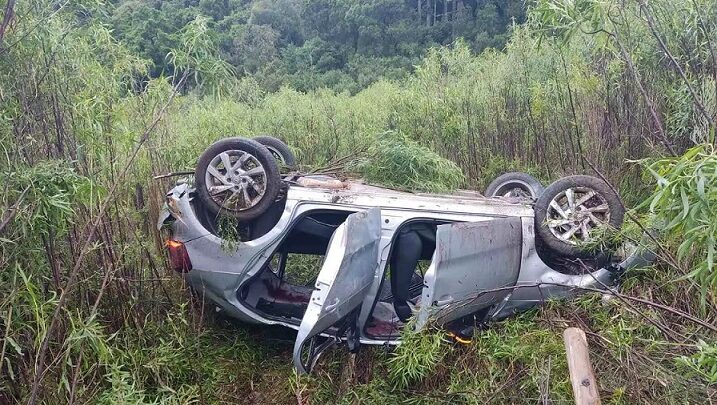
(237, 177)
(570, 212)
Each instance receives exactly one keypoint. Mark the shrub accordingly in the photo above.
(398, 162)
(685, 205)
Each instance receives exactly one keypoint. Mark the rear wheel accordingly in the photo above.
(515, 185)
(281, 152)
(570, 211)
(237, 177)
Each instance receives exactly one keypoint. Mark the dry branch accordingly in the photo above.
(615, 293)
(173, 174)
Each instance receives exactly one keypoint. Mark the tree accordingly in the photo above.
(256, 47)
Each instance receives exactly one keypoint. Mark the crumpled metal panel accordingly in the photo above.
(470, 258)
(345, 277)
(538, 282)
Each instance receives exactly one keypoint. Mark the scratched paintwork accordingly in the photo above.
(371, 196)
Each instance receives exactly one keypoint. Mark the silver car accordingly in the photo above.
(378, 259)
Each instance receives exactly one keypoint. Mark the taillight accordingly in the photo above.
(178, 256)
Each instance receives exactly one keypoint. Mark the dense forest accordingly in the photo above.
(97, 98)
(344, 44)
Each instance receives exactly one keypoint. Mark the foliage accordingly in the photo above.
(228, 230)
(396, 161)
(309, 45)
(703, 363)
(55, 188)
(197, 53)
(416, 357)
(567, 18)
(685, 205)
(302, 269)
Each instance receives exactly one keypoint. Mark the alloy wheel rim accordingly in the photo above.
(575, 212)
(276, 154)
(236, 180)
(518, 190)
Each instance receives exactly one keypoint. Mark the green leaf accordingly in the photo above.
(685, 203)
(701, 185)
(684, 248)
(692, 152)
(661, 181)
(14, 345)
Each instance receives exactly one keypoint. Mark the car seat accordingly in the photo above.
(413, 243)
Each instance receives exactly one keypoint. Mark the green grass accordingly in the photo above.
(519, 360)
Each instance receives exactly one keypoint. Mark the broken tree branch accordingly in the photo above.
(663, 328)
(643, 301)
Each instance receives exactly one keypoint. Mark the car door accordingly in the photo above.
(347, 273)
(471, 260)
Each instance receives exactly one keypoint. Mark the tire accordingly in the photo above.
(564, 234)
(281, 152)
(569, 264)
(515, 184)
(261, 187)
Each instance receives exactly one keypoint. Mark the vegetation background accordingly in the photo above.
(97, 97)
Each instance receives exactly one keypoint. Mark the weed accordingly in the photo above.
(416, 357)
(703, 363)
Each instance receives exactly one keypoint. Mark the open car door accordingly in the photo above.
(472, 259)
(343, 282)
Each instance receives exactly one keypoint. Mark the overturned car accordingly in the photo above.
(346, 262)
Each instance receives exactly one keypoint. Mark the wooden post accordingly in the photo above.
(582, 377)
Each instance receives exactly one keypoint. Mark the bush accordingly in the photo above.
(685, 205)
(398, 162)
